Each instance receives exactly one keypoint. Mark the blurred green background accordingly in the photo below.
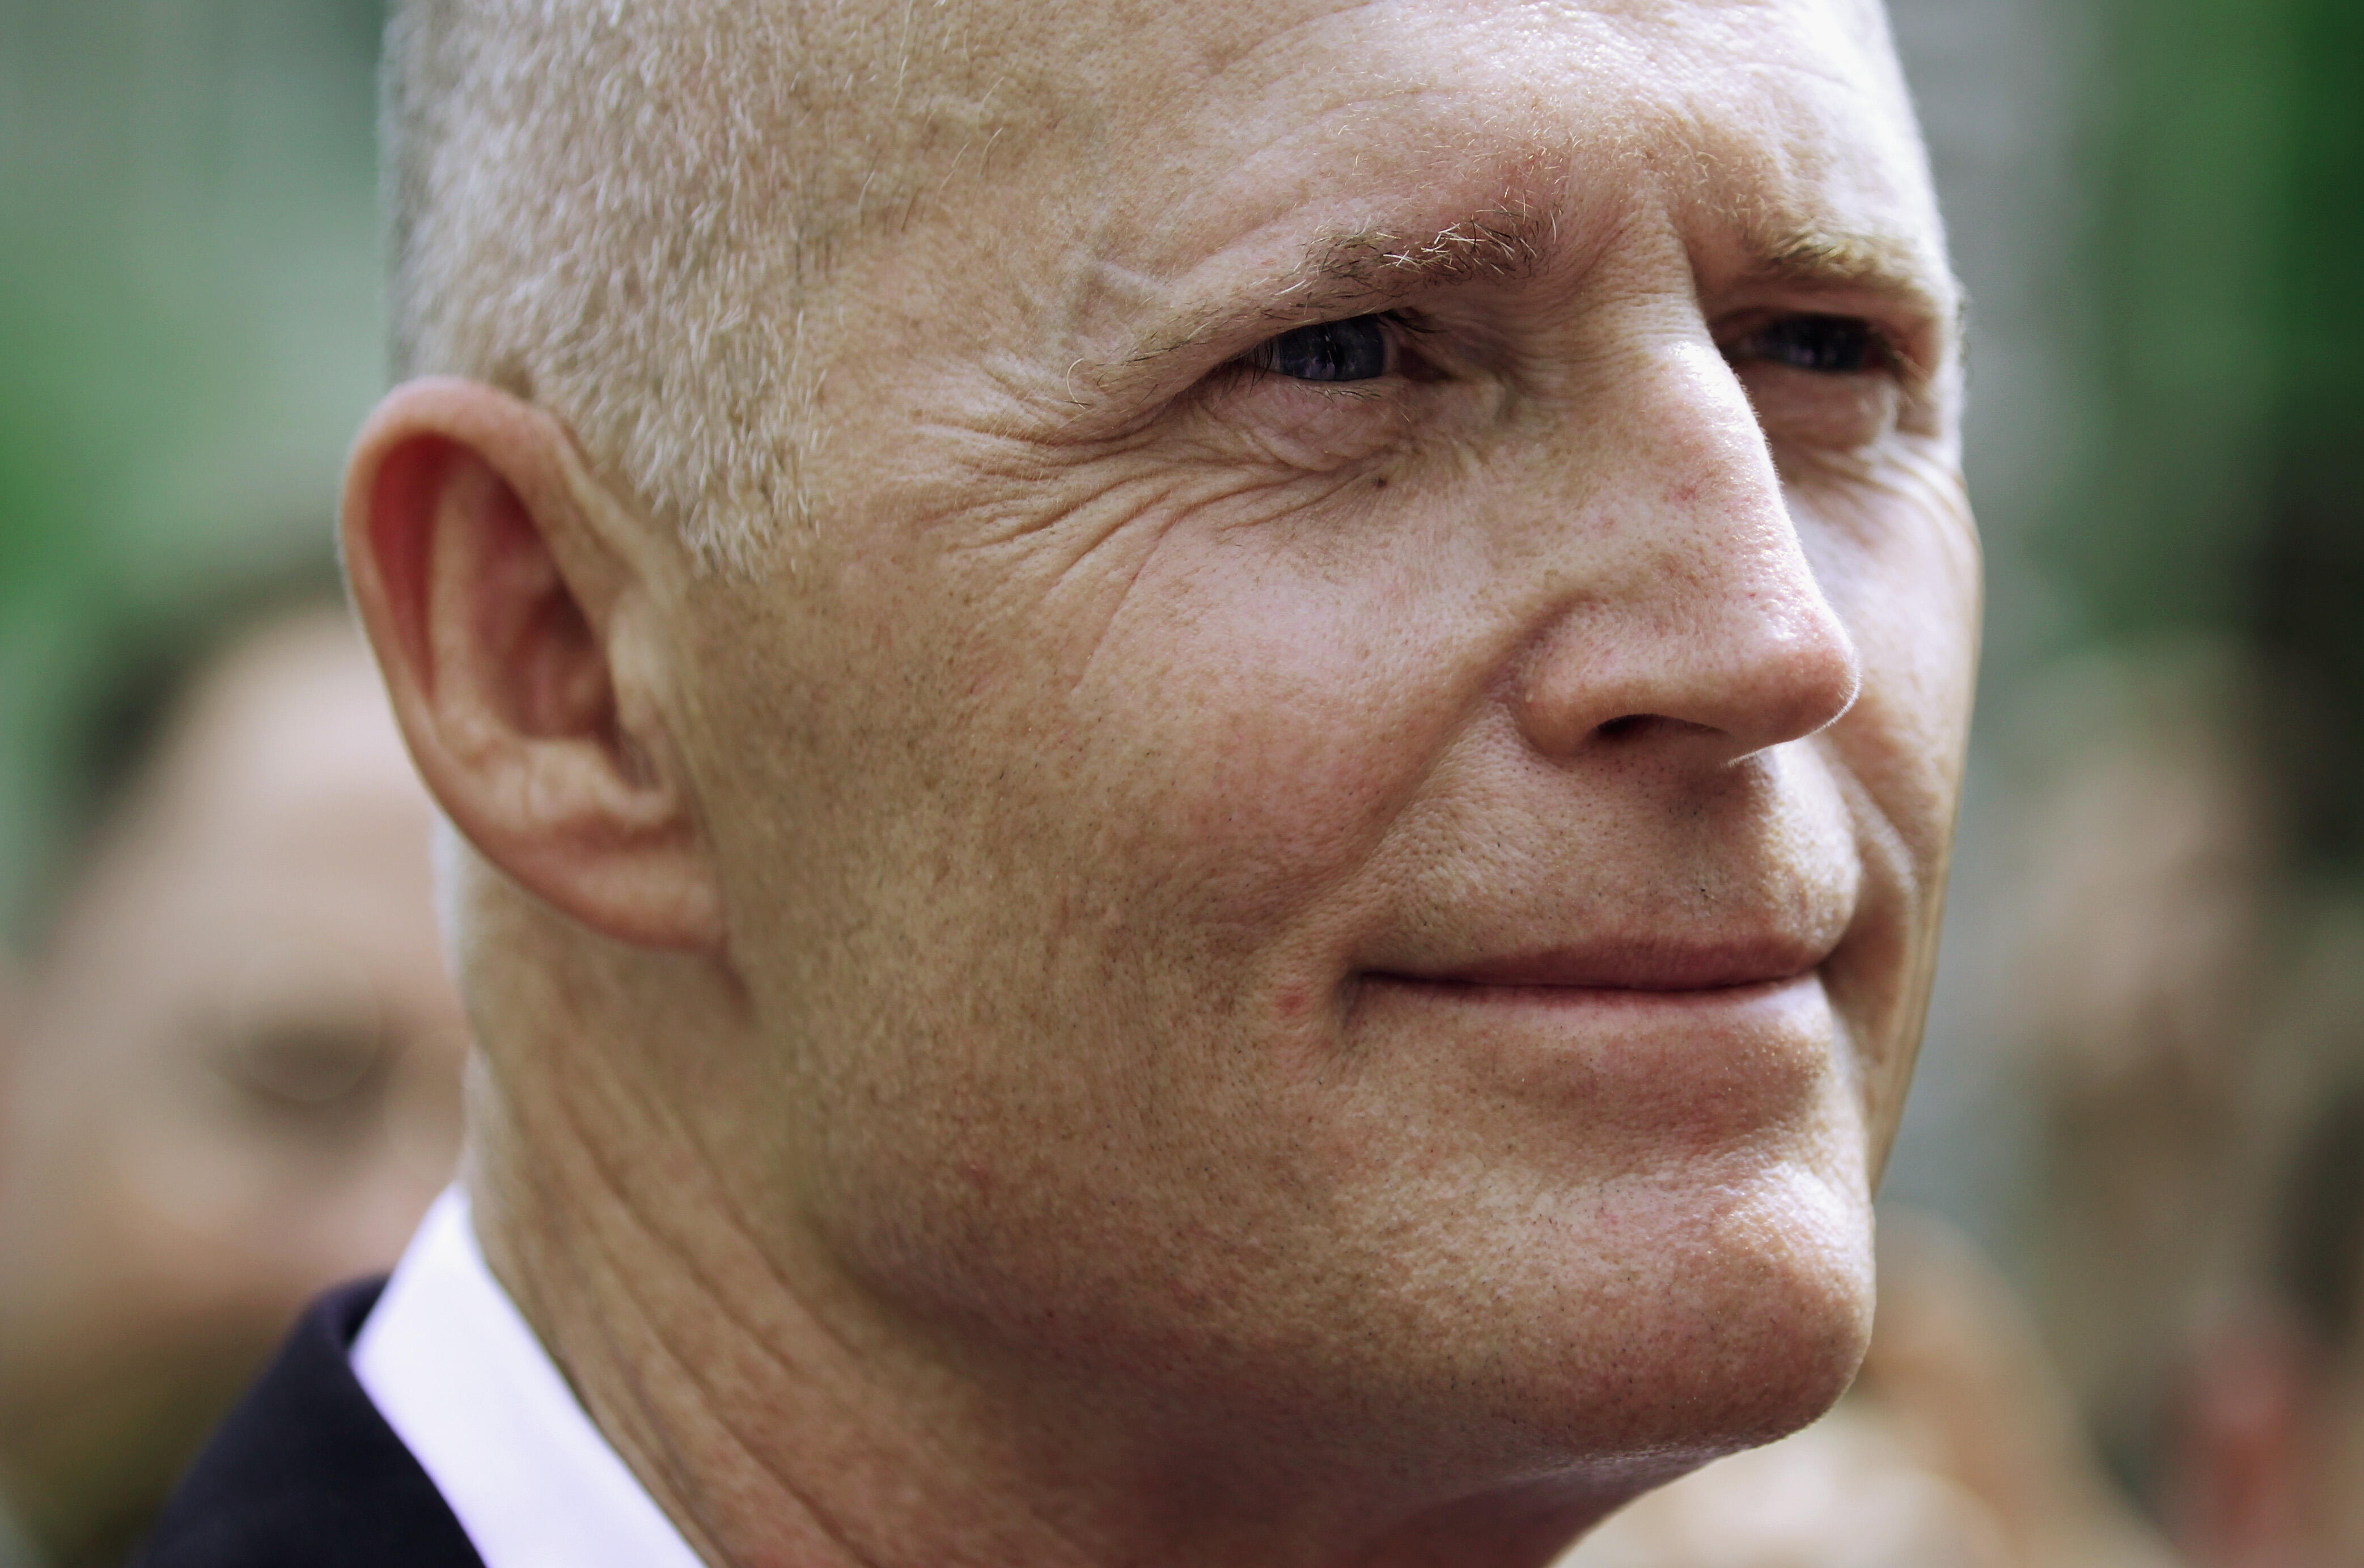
(190, 327)
(2156, 205)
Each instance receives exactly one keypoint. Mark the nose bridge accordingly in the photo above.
(1689, 597)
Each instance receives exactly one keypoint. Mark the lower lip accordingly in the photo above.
(1729, 1058)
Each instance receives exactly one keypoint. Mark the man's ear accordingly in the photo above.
(517, 621)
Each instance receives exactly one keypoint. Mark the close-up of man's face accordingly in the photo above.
(1342, 806)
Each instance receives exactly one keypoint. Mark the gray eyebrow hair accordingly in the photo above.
(1346, 267)
(1880, 263)
(1504, 243)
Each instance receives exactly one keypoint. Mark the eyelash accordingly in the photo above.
(1817, 342)
(1336, 345)
(1820, 344)
(1331, 379)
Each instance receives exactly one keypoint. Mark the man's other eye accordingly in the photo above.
(300, 1066)
(1827, 345)
(1353, 350)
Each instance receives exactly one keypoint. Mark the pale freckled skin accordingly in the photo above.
(1112, 1098)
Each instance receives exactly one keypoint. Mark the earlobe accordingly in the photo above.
(516, 629)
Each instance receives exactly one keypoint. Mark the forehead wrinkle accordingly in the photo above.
(1777, 232)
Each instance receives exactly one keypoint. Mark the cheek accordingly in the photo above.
(1264, 722)
(1894, 546)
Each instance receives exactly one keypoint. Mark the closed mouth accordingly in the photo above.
(1643, 967)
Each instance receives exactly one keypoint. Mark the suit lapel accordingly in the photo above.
(305, 1473)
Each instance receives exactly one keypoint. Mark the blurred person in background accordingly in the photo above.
(228, 1076)
(2269, 1470)
(2152, 989)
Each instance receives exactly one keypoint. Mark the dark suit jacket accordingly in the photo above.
(305, 1473)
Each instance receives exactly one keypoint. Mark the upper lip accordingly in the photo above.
(1641, 964)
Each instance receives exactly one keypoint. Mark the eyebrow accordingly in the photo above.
(1502, 245)
(1367, 266)
(1874, 263)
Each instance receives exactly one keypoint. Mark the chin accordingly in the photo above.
(1646, 1249)
(1716, 1316)
(1652, 1325)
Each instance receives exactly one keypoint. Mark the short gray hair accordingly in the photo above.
(616, 211)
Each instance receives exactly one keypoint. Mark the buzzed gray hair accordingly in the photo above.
(619, 211)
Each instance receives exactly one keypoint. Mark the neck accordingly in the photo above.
(783, 1419)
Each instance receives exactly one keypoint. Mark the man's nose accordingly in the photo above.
(1691, 617)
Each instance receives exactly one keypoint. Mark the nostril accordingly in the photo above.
(1624, 726)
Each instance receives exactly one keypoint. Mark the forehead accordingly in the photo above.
(1775, 106)
(281, 816)
(1151, 142)
(294, 723)
(287, 788)
(1713, 75)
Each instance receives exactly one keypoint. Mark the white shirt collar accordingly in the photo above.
(461, 1380)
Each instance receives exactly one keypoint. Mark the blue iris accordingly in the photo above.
(1354, 349)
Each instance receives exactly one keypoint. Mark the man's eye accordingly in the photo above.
(1354, 349)
(1828, 345)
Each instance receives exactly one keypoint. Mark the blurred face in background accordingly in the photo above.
(233, 1080)
(2269, 1463)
